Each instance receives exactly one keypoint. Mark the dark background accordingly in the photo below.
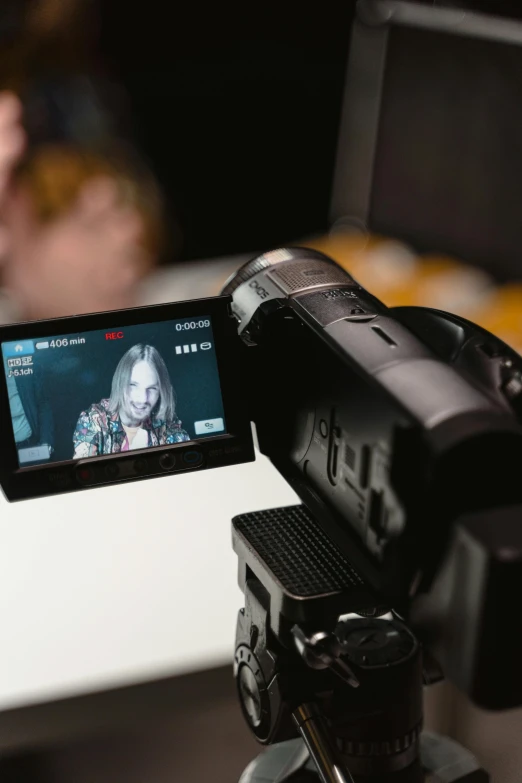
(237, 108)
(77, 375)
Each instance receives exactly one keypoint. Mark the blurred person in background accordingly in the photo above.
(12, 143)
(81, 218)
(81, 231)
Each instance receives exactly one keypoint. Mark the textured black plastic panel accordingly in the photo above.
(297, 551)
(299, 275)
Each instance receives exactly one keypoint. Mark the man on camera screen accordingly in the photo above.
(139, 413)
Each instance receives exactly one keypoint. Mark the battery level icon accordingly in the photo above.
(43, 344)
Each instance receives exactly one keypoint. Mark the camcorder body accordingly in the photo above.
(400, 431)
(388, 424)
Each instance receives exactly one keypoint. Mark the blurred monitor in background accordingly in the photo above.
(508, 8)
(431, 138)
(83, 230)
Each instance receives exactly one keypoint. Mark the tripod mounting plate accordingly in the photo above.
(309, 580)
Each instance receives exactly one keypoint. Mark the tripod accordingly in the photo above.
(329, 679)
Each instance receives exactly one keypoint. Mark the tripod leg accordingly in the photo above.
(322, 750)
(277, 764)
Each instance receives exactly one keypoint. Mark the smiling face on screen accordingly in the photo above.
(141, 395)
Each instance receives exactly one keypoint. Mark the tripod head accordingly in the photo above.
(350, 685)
(298, 662)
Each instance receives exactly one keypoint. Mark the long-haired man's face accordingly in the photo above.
(141, 395)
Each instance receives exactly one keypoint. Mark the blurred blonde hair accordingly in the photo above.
(53, 176)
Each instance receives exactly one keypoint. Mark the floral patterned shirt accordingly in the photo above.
(99, 431)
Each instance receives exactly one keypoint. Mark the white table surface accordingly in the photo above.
(124, 584)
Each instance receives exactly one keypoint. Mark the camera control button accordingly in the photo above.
(323, 428)
(358, 314)
(85, 475)
(512, 388)
(112, 470)
(167, 461)
(209, 425)
(140, 466)
(192, 458)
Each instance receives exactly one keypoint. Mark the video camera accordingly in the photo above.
(400, 430)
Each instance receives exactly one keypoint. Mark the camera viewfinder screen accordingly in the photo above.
(103, 392)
